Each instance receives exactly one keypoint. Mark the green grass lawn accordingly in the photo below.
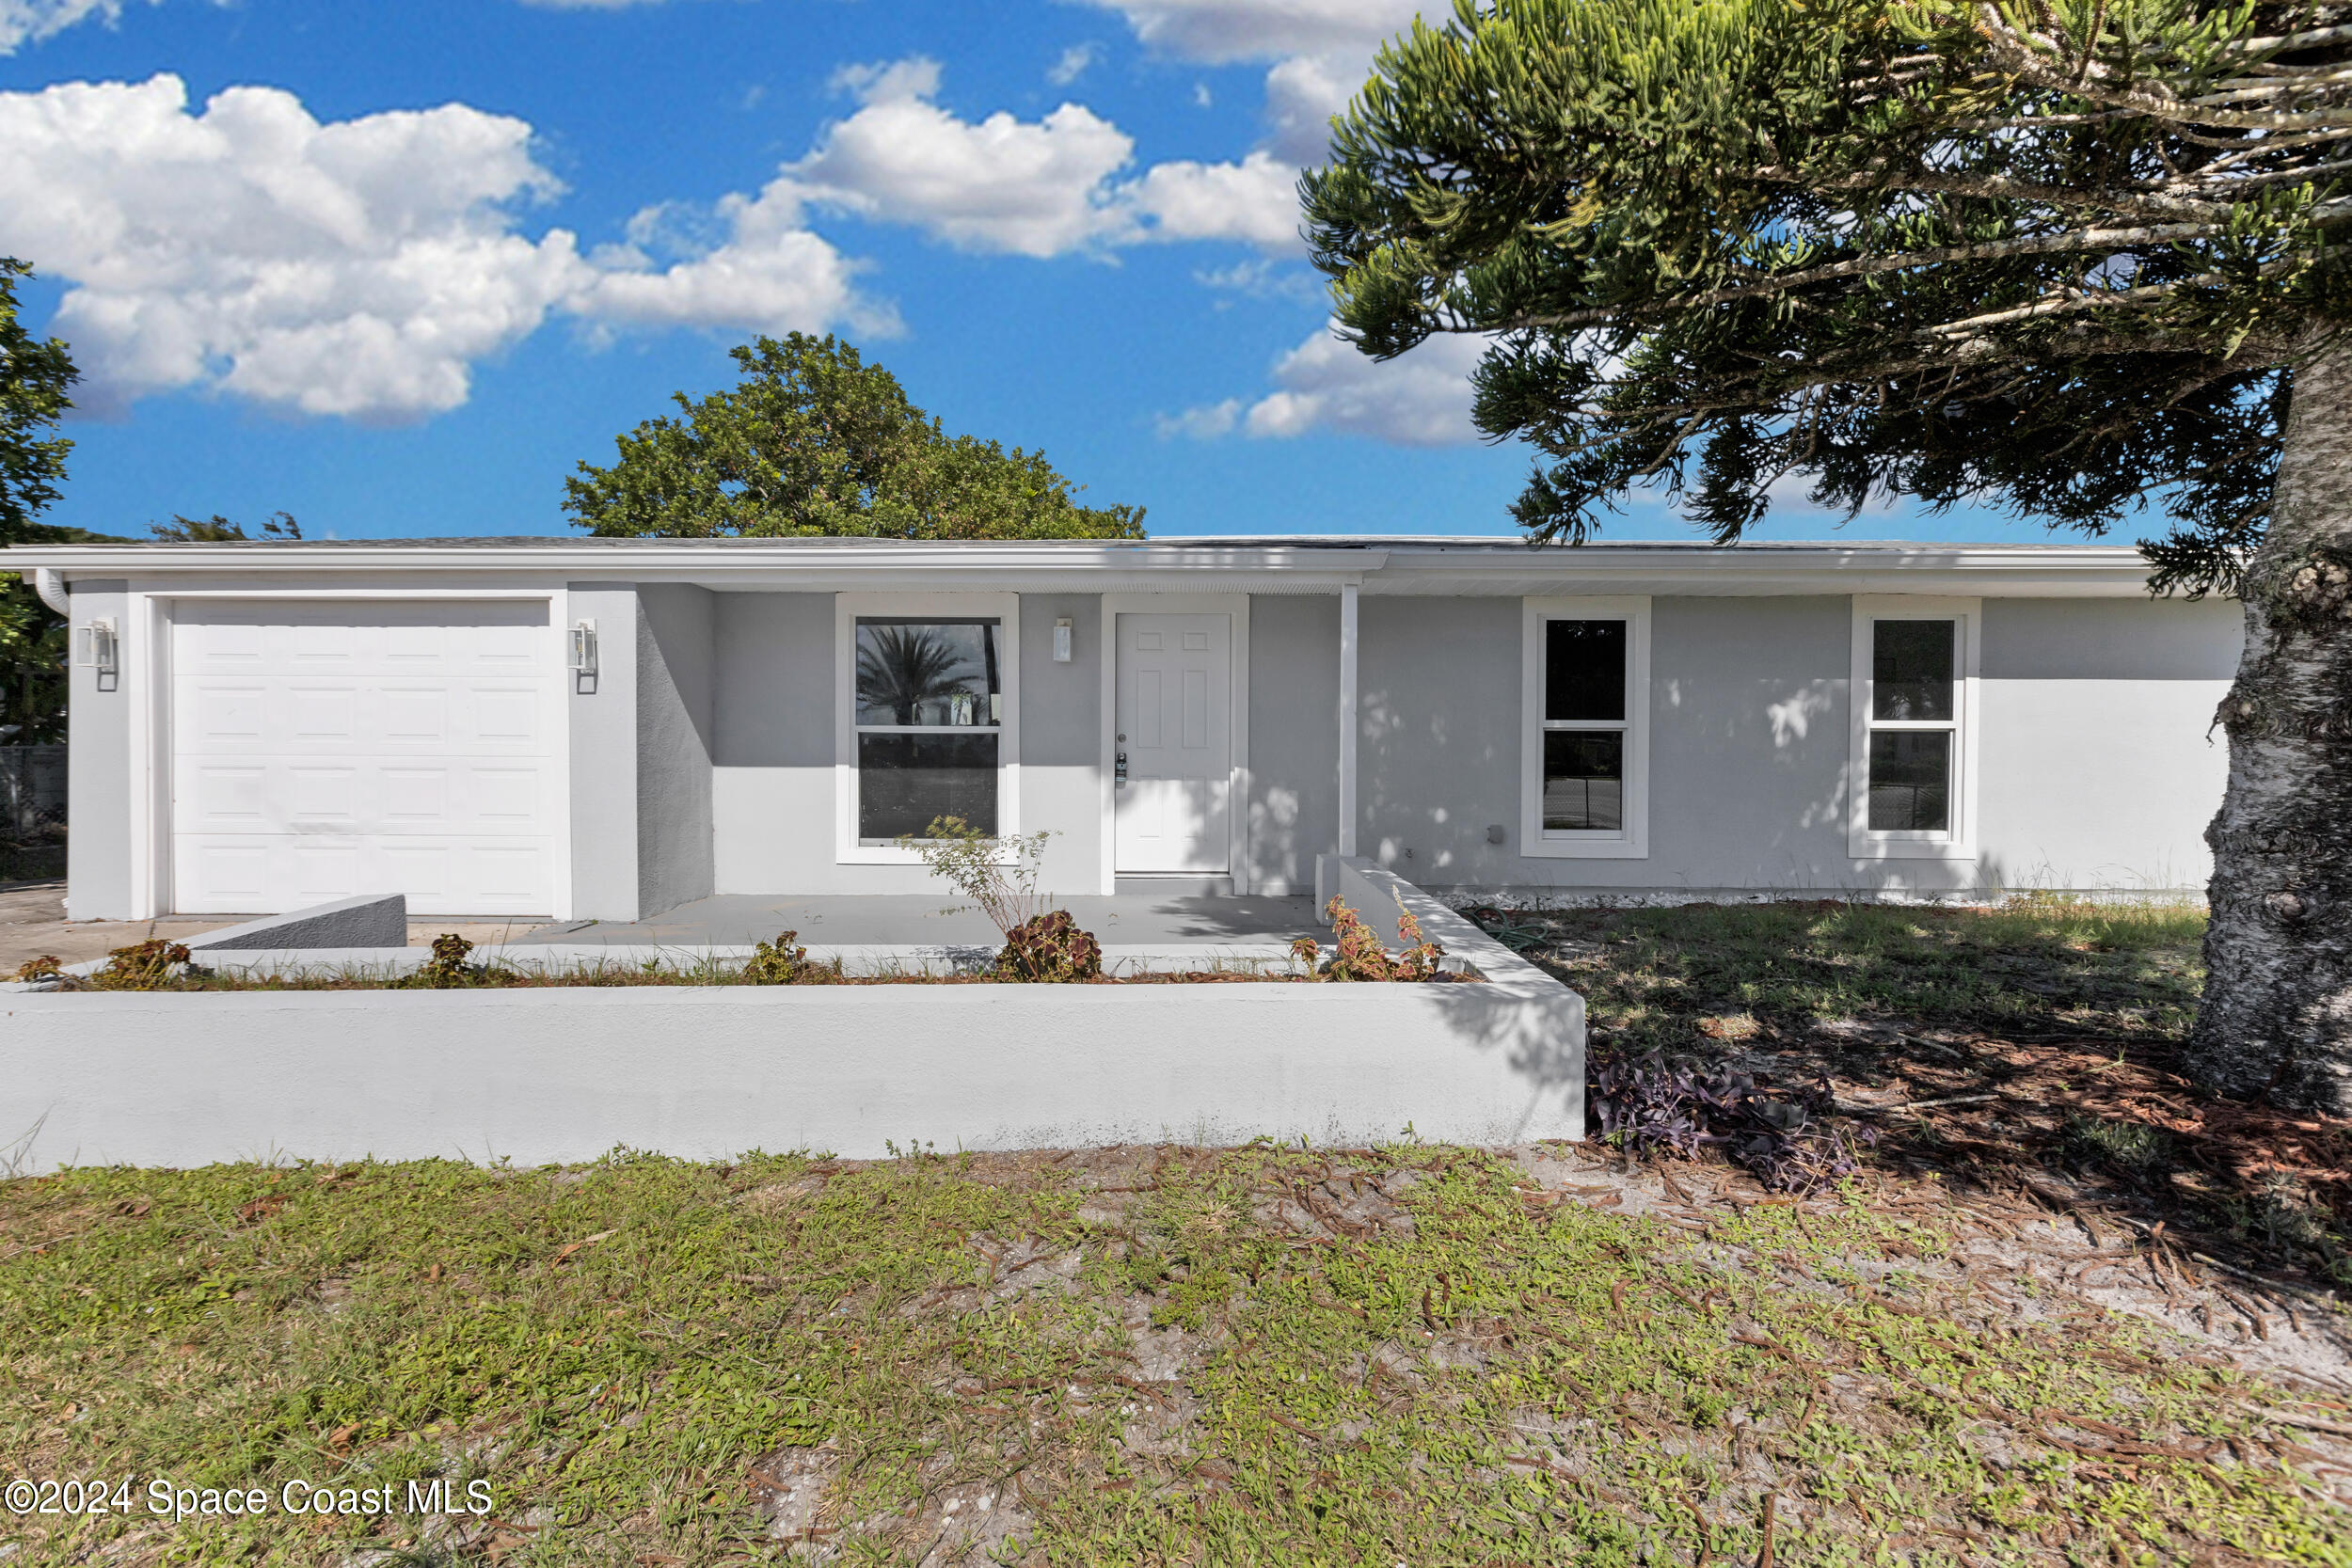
(2030, 968)
(1405, 1355)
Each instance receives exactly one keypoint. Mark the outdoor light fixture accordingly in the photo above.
(94, 647)
(1061, 640)
(581, 659)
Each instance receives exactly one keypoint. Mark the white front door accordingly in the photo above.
(321, 751)
(1175, 729)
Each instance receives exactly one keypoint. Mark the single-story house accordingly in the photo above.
(596, 728)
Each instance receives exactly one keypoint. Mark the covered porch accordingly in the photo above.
(933, 919)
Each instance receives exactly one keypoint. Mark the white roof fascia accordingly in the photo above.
(1975, 570)
(1468, 566)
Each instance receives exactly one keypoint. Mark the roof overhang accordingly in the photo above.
(1484, 567)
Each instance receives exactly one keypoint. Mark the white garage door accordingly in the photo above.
(322, 751)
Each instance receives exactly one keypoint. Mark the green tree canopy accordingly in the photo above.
(2073, 256)
(35, 375)
(217, 529)
(816, 441)
(2055, 255)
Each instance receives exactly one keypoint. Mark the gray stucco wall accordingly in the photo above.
(1295, 736)
(98, 784)
(604, 759)
(773, 728)
(2098, 768)
(2093, 770)
(676, 681)
(1062, 737)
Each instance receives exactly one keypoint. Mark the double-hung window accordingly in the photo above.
(1584, 785)
(1915, 663)
(928, 721)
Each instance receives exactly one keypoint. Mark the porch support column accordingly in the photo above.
(1348, 640)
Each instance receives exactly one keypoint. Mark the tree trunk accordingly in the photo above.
(2277, 1019)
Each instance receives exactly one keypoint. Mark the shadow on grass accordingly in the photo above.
(2031, 1045)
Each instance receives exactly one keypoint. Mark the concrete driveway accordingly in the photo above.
(33, 922)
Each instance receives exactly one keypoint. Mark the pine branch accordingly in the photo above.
(1864, 266)
(1994, 187)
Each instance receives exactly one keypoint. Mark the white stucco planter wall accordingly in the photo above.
(568, 1074)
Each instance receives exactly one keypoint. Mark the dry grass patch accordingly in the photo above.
(1132, 1356)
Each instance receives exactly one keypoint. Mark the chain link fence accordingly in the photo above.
(32, 813)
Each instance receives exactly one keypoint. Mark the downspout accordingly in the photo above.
(51, 588)
(1348, 640)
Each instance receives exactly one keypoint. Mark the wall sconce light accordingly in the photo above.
(1061, 640)
(95, 648)
(581, 657)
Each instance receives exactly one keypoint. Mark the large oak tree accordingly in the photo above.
(815, 440)
(2082, 257)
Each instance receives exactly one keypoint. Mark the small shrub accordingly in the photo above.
(778, 962)
(146, 966)
(1361, 957)
(46, 967)
(1050, 947)
(998, 874)
(447, 969)
(2134, 1145)
(1784, 1140)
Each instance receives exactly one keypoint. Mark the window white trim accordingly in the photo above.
(1957, 843)
(1632, 842)
(846, 607)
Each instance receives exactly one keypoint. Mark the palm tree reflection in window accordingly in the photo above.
(903, 666)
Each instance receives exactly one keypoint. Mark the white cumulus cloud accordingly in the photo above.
(1321, 50)
(1255, 200)
(356, 268)
(1221, 31)
(1044, 188)
(1033, 188)
(24, 21)
(1420, 399)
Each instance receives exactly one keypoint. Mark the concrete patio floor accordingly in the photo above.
(1126, 919)
(33, 923)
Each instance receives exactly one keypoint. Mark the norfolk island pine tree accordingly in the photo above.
(2084, 259)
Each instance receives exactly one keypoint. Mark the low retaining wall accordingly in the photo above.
(549, 1074)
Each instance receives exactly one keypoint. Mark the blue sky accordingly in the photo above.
(394, 265)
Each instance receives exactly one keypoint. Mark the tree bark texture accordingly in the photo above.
(2277, 1019)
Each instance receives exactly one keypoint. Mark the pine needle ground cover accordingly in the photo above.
(1169, 1356)
(2028, 1046)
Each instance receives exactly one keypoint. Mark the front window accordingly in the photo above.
(1587, 702)
(1911, 716)
(1914, 668)
(930, 718)
(1584, 725)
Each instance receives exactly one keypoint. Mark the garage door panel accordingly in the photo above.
(324, 795)
(324, 750)
(231, 797)
(319, 870)
(318, 716)
(512, 797)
